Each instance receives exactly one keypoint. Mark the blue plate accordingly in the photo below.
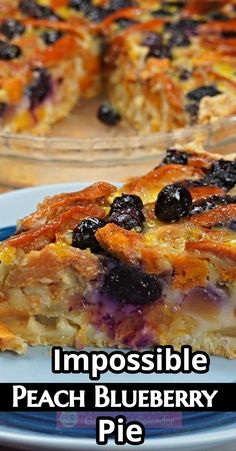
(5, 232)
(81, 424)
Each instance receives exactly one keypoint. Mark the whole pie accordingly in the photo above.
(163, 64)
(150, 263)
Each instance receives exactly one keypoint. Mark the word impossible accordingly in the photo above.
(163, 359)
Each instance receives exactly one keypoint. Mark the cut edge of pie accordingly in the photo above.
(160, 282)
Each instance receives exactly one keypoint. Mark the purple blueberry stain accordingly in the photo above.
(129, 285)
(217, 295)
(40, 87)
(185, 74)
(155, 44)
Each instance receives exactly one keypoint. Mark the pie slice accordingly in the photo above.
(47, 64)
(150, 263)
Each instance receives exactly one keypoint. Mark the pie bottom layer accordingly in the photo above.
(73, 312)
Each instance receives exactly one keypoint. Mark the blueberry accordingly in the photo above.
(221, 173)
(185, 75)
(195, 97)
(80, 5)
(83, 235)
(32, 9)
(179, 38)
(154, 42)
(189, 25)
(174, 156)
(161, 13)
(125, 201)
(163, 52)
(181, 32)
(40, 87)
(212, 202)
(232, 225)
(120, 4)
(3, 108)
(131, 286)
(107, 114)
(11, 28)
(51, 36)
(97, 13)
(192, 109)
(9, 51)
(173, 203)
(198, 93)
(128, 218)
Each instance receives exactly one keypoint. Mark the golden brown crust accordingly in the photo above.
(150, 184)
(222, 250)
(37, 238)
(130, 248)
(10, 342)
(49, 265)
(51, 208)
(189, 272)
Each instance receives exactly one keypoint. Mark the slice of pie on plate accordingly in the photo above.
(150, 263)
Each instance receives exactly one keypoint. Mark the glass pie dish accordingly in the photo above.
(82, 149)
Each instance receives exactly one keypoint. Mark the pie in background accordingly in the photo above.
(163, 64)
